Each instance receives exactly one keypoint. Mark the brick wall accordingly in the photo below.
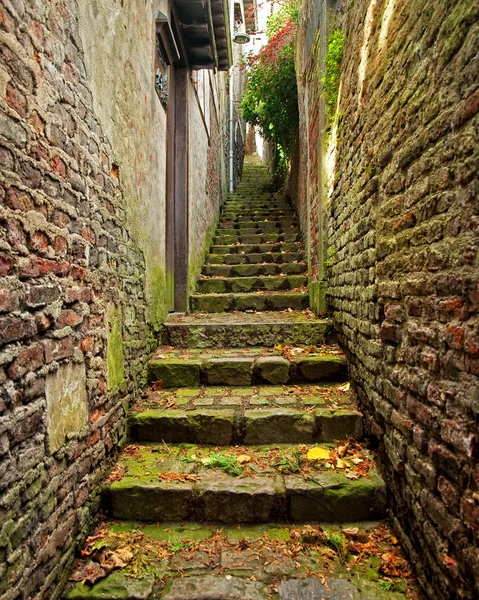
(82, 265)
(66, 288)
(404, 275)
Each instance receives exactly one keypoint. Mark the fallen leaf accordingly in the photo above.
(357, 461)
(89, 571)
(351, 475)
(110, 560)
(341, 464)
(318, 454)
(345, 387)
(341, 451)
(243, 458)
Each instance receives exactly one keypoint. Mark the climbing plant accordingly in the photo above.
(331, 72)
(270, 100)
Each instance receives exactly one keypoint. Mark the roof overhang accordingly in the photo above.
(205, 29)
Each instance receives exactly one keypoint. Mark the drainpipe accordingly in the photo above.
(231, 89)
(231, 131)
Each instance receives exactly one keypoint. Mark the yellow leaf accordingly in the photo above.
(279, 348)
(318, 454)
(345, 387)
(243, 458)
(341, 464)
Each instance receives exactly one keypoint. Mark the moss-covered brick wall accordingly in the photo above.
(401, 200)
(82, 263)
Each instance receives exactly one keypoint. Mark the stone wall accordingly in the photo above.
(401, 193)
(82, 265)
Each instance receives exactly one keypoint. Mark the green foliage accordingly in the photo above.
(228, 464)
(177, 546)
(290, 464)
(288, 11)
(338, 542)
(331, 73)
(270, 100)
(389, 586)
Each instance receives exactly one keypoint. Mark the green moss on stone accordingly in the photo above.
(175, 372)
(115, 358)
(116, 586)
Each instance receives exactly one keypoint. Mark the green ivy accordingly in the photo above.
(332, 70)
(270, 100)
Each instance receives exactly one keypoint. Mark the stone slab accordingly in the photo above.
(116, 586)
(229, 371)
(210, 587)
(313, 589)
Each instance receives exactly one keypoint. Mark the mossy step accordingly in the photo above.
(245, 221)
(246, 562)
(248, 284)
(259, 230)
(254, 258)
(159, 483)
(257, 248)
(262, 238)
(217, 303)
(183, 368)
(265, 225)
(247, 415)
(239, 330)
(266, 201)
(258, 215)
(253, 270)
(263, 205)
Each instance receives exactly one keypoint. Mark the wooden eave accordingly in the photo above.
(205, 30)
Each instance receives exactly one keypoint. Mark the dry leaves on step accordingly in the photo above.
(318, 454)
(170, 476)
(394, 566)
(87, 572)
(243, 458)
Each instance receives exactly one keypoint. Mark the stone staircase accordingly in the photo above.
(247, 433)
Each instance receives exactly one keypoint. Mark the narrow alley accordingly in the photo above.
(246, 441)
(239, 300)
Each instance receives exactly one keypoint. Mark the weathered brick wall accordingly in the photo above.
(82, 266)
(404, 277)
(71, 280)
(308, 195)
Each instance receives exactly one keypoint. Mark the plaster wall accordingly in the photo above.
(118, 42)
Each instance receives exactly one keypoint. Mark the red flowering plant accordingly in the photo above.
(270, 100)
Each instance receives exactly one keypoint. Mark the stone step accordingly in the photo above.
(261, 301)
(224, 415)
(238, 330)
(257, 238)
(254, 258)
(258, 248)
(248, 284)
(265, 225)
(257, 215)
(246, 366)
(256, 269)
(263, 205)
(245, 221)
(260, 230)
(273, 483)
(246, 562)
